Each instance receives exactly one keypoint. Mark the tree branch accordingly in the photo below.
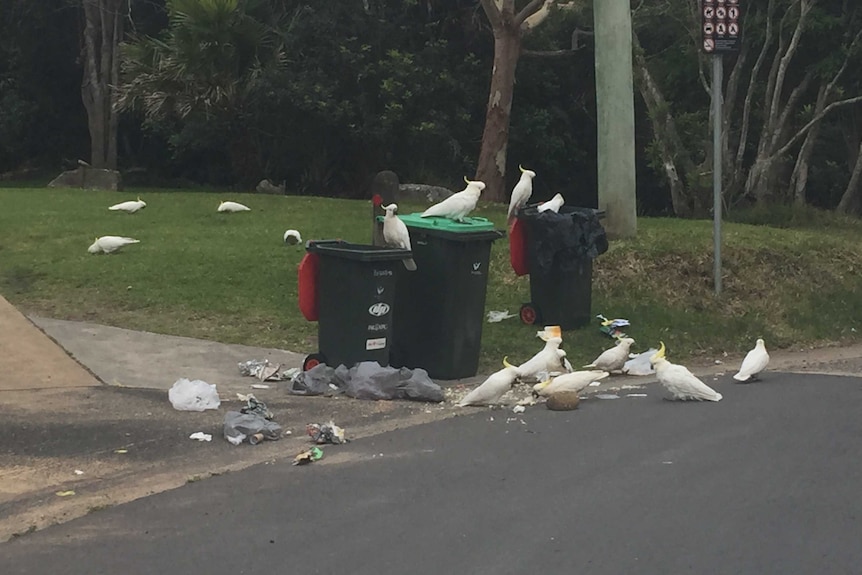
(492, 11)
(533, 7)
(804, 8)
(790, 105)
(790, 143)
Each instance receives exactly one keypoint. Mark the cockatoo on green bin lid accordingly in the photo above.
(233, 207)
(493, 388)
(395, 234)
(549, 359)
(575, 381)
(554, 204)
(755, 361)
(615, 358)
(129, 207)
(457, 206)
(679, 381)
(292, 237)
(521, 193)
(110, 244)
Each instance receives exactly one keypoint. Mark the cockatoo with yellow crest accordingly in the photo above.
(521, 193)
(395, 234)
(554, 204)
(493, 388)
(755, 361)
(615, 358)
(679, 381)
(550, 359)
(575, 381)
(231, 207)
(129, 207)
(110, 244)
(457, 206)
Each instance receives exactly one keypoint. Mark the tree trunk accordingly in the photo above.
(103, 30)
(799, 179)
(851, 200)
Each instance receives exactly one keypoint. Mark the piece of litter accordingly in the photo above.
(259, 386)
(326, 433)
(307, 456)
(268, 372)
(193, 395)
(201, 436)
(668, 462)
(490, 419)
(79, 472)
(121, 451)
(497, 316)
(718, 362)
(64, 493)
(288, 432)
(607, 396)
(519, 409)
(636, 395)
(595, 384)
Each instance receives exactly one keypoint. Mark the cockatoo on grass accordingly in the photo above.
(493, 388)
(755, 361)
(575, 381)
(395, 234)
(110, 244)
(679, 381)
(292, 237)
(233, 207)
(129, 207)
(521, 193)
(615, 358)
(457, 206)
(554, 204)
(549, 359)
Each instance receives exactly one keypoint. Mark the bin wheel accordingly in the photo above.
(529, 314)
(313, 360)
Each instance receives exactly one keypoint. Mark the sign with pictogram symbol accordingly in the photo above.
(720, 26)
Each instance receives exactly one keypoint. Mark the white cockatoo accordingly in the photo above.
(613, 359)
(110, 244)
(458, 205)
(755, 361)
(395, 234)
(521, 193)
(679, 381)
(575, 381)
(292, 237)
(493, 388)
(129, 207)
(233, 207)
(639, 364)
(547, 360)
(554, 204)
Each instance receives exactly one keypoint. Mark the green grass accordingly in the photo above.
(229, 277)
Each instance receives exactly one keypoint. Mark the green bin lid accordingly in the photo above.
(438, 223)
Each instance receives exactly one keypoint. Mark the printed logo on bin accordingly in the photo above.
(477, 271)
(379, 309)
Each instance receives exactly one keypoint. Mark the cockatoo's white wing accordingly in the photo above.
(233, 207)
(682, 384)
(130, 207)
(492, 389)
(575, 381)
(755, 361)
(457, 205)
(545, 360)
(292, 237)
(110, 244)
(396, 235)
(553, 204)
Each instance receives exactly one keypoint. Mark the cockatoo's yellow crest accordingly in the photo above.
(660, 353)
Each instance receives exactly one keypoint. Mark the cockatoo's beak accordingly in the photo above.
(542, 385)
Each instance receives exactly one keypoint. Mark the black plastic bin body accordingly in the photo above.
(441, 305)
(560, 251)
(356, 300)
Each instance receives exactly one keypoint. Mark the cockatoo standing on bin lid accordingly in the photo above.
(395, 234)
(575, 381)
(493, 388)
(457, 206)
(549, 359)
(110, 244)
(554, 204)
(129, 207)
(679, 381)
(521, 193)
(613, 359)
(755, 361)
(233, 207)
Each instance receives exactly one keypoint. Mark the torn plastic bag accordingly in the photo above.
(368, 380)
(238, 426)
(562, 239)
(193, 395)
(319, 380)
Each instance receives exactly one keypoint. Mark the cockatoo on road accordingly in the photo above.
(549, 359)
(395, 234)
(493, 388)
(521, 193)
(292, 237)
(755, 361)
(457, 206)
(575, 381)
(554, 204)
(615, 358)
(233, 207)
(110, 244)
(679, 381)
(129, 207)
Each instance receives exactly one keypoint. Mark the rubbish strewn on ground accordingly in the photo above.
(639, 363)
(326, 433)
(201, 436)
(79, 472)
(64, 493)
(265, 371)
(498, 316)
(259, 386)
(254, 405)
(636, 395)
(193, 395)
(611, 327)
(367, 380)
(307, 456)
(121, 451)
(240, 426)
(519, 409)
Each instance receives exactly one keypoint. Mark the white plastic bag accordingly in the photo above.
(195, 395)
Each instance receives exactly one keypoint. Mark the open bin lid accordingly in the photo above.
(472, 228)
(359, 252)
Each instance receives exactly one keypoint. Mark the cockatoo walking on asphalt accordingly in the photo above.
(521, 193)
(457, 206)
(615, 358)
(755, 361)
(129, 207)
(110, 244)
(395, 234)
(493, 388)
(575, 381)
(679, 381)
(549, 359)
(554, 204)
(233, 207)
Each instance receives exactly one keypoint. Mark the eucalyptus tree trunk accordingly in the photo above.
(851, 200)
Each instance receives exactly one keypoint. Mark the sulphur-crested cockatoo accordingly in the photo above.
(457, 206)
(521, 193)
(129, 207)
(493, 388)
(639, 364)
(292, 237)
(554, 204)
(679, 381)
(755, 361)
(233, 207)
(613, 359)
(395, 233)
(575, 381)
(110, 244)
(547, 360)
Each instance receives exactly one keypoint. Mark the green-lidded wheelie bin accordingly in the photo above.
(349, 289)
(441, 305)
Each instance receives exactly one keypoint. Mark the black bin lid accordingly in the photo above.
(359, 252)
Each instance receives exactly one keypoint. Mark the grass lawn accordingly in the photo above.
(230, 278)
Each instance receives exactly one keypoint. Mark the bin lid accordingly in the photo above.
(351, 251)
(470, 228)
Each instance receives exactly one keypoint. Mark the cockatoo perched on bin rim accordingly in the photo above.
(233, 207)
(395, 234)
(493, 388)
(615, 358)
(129, 207)
(521, 193)
(575, 381)
(457, 206)
(755, 361)
(679, 381)
(110, 244)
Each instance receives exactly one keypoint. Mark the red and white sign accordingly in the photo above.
(733, 13)
(708, 45)
(733, 29)
(721, 13)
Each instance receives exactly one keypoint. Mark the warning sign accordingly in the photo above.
(721, 26)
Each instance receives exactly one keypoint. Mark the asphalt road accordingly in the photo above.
(768, 481)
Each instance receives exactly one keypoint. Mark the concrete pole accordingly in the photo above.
(616, 117)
